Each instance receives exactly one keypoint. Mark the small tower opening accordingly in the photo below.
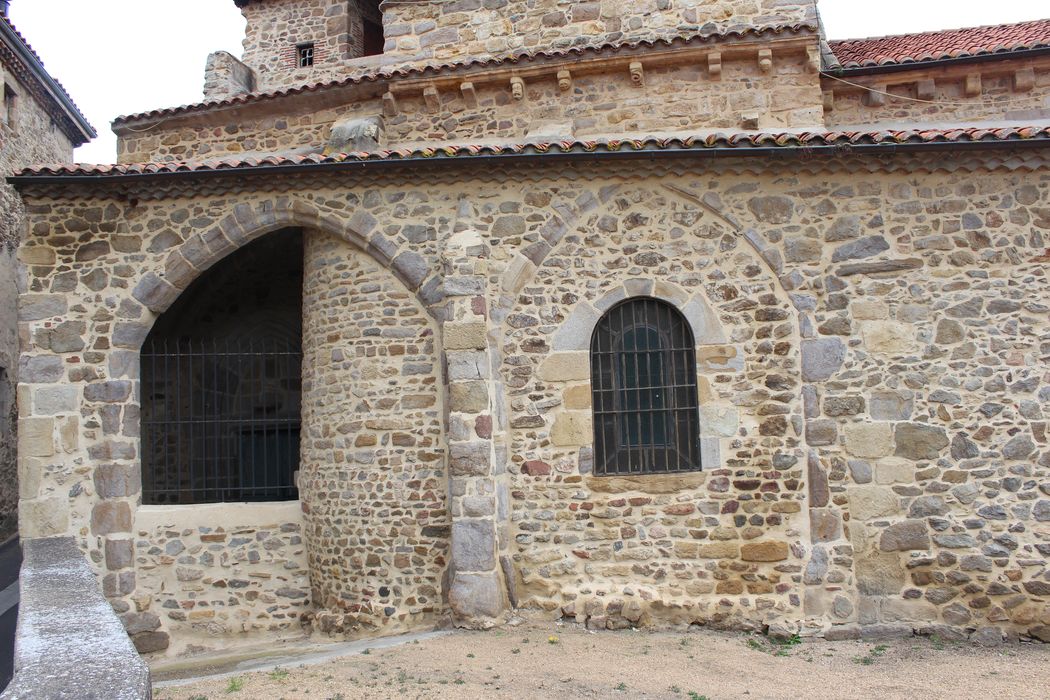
(371, 36)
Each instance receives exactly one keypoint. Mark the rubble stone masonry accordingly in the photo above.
(472, 29)
(871, 358)
(27, 137)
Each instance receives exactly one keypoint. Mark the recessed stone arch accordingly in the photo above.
(247, 222)
(648, 241)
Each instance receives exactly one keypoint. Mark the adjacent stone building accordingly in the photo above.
(38, 124)
(658, 313)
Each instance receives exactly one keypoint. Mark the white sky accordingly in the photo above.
(126, 56)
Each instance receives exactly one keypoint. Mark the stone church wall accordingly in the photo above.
(679, 97)
(873, 378)
(373, 480)
(28, 137)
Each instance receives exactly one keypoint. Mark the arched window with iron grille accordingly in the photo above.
(643, 384)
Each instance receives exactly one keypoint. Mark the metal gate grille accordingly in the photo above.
(220, 422)
(643, 380)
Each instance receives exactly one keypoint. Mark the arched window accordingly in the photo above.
(222, 382)
(643, 383)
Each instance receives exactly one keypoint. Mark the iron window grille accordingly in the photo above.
(220, 422)
(643, 383)
(305, 53)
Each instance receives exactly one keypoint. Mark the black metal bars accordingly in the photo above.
(220, 421)
(643, 383)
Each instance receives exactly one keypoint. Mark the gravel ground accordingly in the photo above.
(546, 660)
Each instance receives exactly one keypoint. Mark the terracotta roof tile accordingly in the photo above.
(948, 44)
(737, 141)
(431, 69)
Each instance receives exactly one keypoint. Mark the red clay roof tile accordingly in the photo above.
(948, 44)
(737, 141)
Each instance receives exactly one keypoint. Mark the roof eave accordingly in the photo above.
(84, 132)
(649, 153)
(902, 67)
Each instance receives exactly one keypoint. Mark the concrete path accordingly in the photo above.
(10, 563)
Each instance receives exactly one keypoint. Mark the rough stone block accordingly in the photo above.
(36, 437)
(120, 554)
(469, 335)
(769, 551)
(888, 337)
(869, 440)
(821, 432)
(574, 335)
(117, 480)
(880, 574)
(714, 359)
(110, 517)
(469, 397)
(825, 525)
(716, 420)
(565, 367)
(38, 307)
(465, 365)
(572, 429)
(55, 400)
(822, 358)
(919, 441)
(474, 596)
(46, 517)
(870, 502)
(910, 535)
(473, 545)
(891, 405)
(45, 369)
(894, 471)
(470, 458)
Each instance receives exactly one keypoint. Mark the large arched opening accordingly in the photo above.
(222, 381)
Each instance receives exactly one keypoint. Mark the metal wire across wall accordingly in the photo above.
(643, 381)
(220, 421)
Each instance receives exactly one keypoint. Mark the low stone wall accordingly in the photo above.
(210, 575)
(69, 643)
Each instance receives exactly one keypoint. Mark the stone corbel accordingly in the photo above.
(829, 101)
(1024, 80)
(973, 87)
(470, 94)
(517, 88)
(390, 105)
(637, 73)
(765, 60)
(875, 96)
(813, 59)
(714, 65)
(926, 89)
(564, 80)
(432, 98)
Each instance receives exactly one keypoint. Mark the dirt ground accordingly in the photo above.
(565, 661)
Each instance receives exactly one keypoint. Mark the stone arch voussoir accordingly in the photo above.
(248, 222)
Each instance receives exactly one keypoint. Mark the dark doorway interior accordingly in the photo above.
(222, 382)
